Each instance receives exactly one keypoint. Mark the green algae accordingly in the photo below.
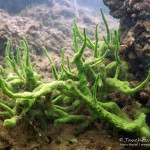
(72, 88)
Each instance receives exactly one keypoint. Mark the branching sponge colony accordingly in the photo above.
(81, 85)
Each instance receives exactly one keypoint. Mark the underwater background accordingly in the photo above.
(74, 74)
(48, 24)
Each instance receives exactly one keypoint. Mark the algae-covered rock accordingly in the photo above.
(135, 32)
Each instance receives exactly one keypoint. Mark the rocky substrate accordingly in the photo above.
(135, 32)
(134, 18)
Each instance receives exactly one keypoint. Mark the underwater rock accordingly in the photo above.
(135, 32)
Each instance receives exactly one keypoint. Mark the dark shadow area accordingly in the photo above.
(15, 6)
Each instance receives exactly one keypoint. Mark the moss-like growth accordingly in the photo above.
(83, 85)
